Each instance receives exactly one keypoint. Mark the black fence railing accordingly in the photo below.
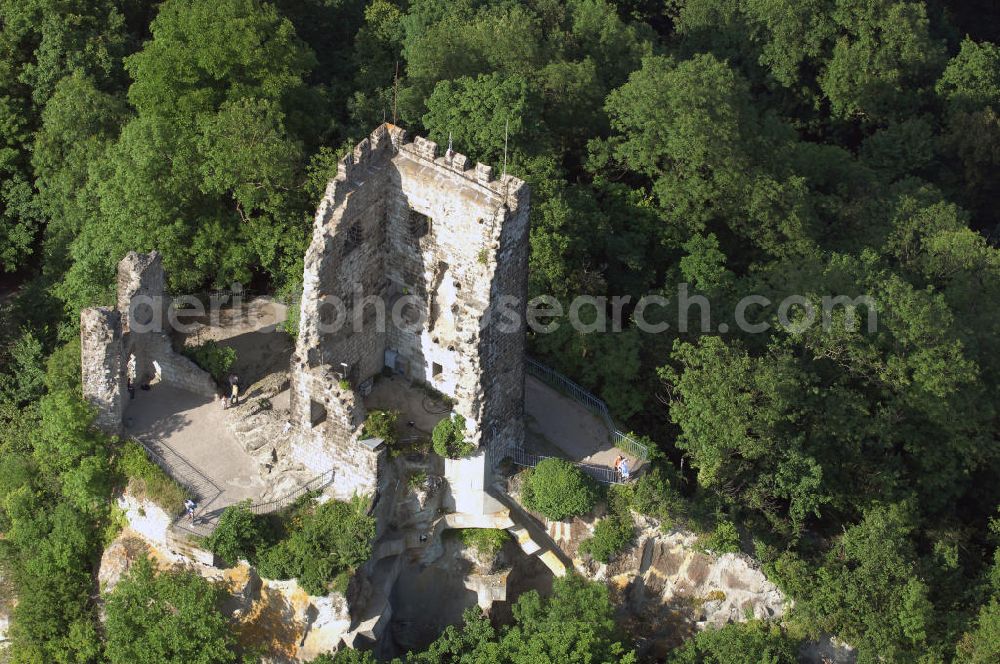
(316, 484)
(202, 489)
(602, 474)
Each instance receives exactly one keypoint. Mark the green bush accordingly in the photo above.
(238, 535)
(448, 438)
(166, 617)
(381, 424)
(417, 480)
(753, 641)
(653, 494)
(213, 358)
(611, 535)
(559, 490)
(725, 538)
(147, 480)
(331, 541)
(487, 541)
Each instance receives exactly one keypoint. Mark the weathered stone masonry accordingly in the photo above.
(445, 244)
(132, 341)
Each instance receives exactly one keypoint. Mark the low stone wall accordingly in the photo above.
(177, 370)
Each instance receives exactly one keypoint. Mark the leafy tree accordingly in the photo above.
(481, 112)
(982, 644)
(237, 536)
(883, 61)
(575, 624)
(558, 489)
(213, 358)
(611, 536)
(753, 642)
(691, 128)
(219, 91)
(166, 617)
(971, 80)
(381, 424)
(740, 420)
(448, 438)
(330, 542)
(868, 590)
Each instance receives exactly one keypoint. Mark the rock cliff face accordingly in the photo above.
(278, 616)
(668, 587)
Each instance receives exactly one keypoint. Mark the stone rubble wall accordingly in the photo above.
(177, 370)
(668, 570)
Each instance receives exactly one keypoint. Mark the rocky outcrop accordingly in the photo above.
(669, 569)
(827, 650)
(277, 616)
(667, 586)
(7, 603)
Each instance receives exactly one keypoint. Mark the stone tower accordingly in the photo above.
(442, 244)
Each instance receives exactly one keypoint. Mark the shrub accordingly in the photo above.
(448, 438)
(611, 535)
(147, 480)
(725, 538)
(381, 424)
(559, 490)
(238, 535)
(213, 358)
(488, 541)
(756, 641)
(166, 617)
(653, 495)
(330, 542)
(417, 479)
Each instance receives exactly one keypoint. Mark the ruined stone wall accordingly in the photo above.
(101, 357)
(438, 240)
(503, 345)
(132, 342)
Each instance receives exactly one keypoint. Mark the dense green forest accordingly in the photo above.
(769, 147)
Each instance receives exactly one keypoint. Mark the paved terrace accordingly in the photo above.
(562, 426)
(188, 432)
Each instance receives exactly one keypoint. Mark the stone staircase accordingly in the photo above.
(532, 538)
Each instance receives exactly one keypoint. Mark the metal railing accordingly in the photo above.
(204, 491)
(591, 402)
(201, 488)
(206, 521)
(602, 474)
(317, 483)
